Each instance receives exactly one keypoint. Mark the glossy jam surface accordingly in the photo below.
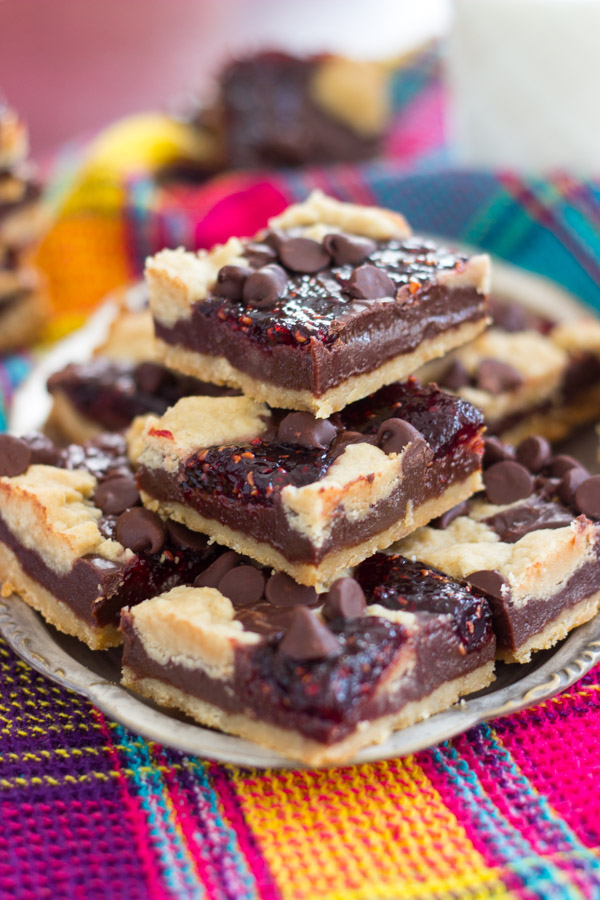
(258, 471)
(114, 393)
(319, 306)
(324, 689)
(400, 584)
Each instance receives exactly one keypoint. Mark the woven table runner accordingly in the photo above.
(508, 810)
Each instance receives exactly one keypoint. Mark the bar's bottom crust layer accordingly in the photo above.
(329, 568)
(290, 743)
(554, 631)
(21, 322)
(218, 370)
(55, 611)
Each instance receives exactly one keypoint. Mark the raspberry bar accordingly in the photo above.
(74, 542)
(314, 677)
(310, 496)
(122, 381)
(283, 110)
(325, 306)
(531, 543)
(529, 375)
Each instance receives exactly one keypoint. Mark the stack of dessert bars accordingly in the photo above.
(23, 302)
(297, 541)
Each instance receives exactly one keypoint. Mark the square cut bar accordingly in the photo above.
(322, 308)
(527, 374)
(531, 542)
(304, 495)
(315, 678)
(75, 544)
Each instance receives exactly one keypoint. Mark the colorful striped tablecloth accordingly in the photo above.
(508, 810)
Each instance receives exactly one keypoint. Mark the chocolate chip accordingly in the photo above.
(506, 482)
(243, 585)
(215, 572)
(560, 464)
(141, 530)
(43, 451)
(346, 438)
(370, 283)
(495, 376)
(395, 434)
(490, 582)
(185, 538)
(264, 287)
(231, 281)
(150, 376)
(442, 522)
(587, 497)
(303, 430)
(281, 590)
(569, 483)
(308, 638)
(547, 487)
(301, 254)
(514, 523)
(494, 450)
(344, 600)
(117, 494)
(456, 376)
(534, 453)
(259, 255)
(348, 250)
(15, 455)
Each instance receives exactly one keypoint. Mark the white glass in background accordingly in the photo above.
(524, 80)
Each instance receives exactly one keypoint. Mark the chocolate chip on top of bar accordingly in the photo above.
(328, 303)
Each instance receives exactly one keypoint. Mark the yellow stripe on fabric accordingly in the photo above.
(362, 833)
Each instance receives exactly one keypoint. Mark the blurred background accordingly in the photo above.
(72, 66)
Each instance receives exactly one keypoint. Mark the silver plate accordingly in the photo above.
(95, 674)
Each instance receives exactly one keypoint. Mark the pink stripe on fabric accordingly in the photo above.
(232, 812)
(137, 818)
(537, 738)
(186, 820)
(419, 128)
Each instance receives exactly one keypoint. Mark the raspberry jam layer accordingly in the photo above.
(317, 335)
(112, 393)
(241, 486)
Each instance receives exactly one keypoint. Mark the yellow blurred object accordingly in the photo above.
(140, 143)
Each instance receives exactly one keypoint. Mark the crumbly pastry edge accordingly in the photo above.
(536, 566)
(54, 611)
(290, 743)
(323, 574)
(218, 370)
